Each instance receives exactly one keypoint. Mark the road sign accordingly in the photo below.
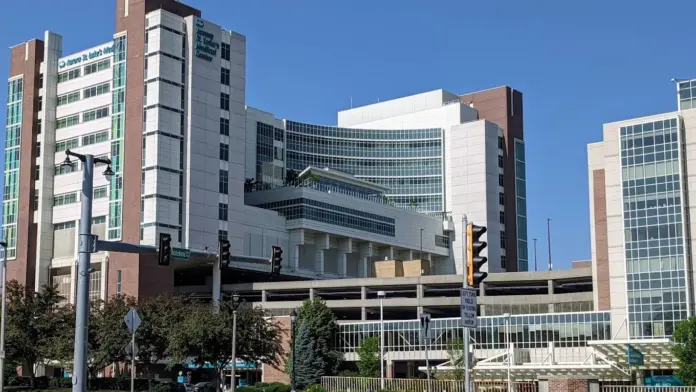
(425, 332)
(132, 320)
(181, 253)
(128, 349)
(468, 307)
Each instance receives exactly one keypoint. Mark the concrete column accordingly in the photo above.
(363, 313)
(363, 293)
(419, 291)
(296, 258)
(319, 261)
(104, 275)
(550, 285)
(263, 296)
(311, 294)
(367, 267)
(343, 264)
(481, 294)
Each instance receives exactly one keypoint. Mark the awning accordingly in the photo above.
(651, 353)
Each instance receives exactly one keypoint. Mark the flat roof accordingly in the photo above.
(343, 177)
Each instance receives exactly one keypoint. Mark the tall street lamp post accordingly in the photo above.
(3, 244)
(381, 295)
(234, 305)
(83, 266)
(509, 350)
(293, 321)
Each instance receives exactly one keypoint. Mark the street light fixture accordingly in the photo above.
(3, 244)
(293, 321)
(381, 295)
(83, 267)
(234, 305)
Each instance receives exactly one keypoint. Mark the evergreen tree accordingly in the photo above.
(321, 327)
(309, 364)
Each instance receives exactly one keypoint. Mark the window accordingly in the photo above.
(39, 104)
(224, 152)
(119, 282)
(68, 75)
(37, 173)
(222, 235)
(64, 226)
(501, 180)
(41, 78)
(38, 149)
(36, 202)
(224, 182)
(96, 67)
(278, 153)
(68, 98)
(225, 76)
(502, 217)
(65, 169)
(67, 144)
(501, 143)
(98, 220)
(93, 91)
(225, 51)
(67, 121)
(95, 138)
(38, 127)
(222, 212)
(95, 114)
(503, 264)
(224, 101)
(501, 198)
(224, 127)
(503, 245)
(66, 198)
(100, 193)
(501, 162)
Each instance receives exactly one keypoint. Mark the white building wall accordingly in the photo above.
(595, 161)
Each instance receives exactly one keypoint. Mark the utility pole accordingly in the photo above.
(535, 254)
(548, 237)
(86, 247)
(467, 365)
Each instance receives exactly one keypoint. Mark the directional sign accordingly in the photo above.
(132, 320)
(181, 253)
(425, 332)
(468, 307)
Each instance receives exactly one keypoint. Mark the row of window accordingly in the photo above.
(88, 92)
(89, 115)
(87, 140)
(88, 69)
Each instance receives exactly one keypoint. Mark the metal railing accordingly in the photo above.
(633, 388)
(363, 384)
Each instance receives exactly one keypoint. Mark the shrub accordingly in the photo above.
(270, 387)
(60, 382)
(209, 388)
(165, 387)
(315, 388)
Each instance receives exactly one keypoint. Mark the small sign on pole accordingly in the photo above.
(425, 332)
(132, 320)
(468, 307)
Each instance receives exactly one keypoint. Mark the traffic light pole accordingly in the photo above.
(467, 338)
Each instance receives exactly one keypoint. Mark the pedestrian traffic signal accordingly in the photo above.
(475, 261)
(224, 253)
(276, 259)
(164, 253)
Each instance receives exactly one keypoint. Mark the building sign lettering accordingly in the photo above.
(205, 46)
(86, 57)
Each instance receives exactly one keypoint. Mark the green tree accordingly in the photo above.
(34, 320)
(108, 334)
(159, 315)
(322, 329)
(205, 335)
(309, 365)
(455, 352)
(685, 350)
(368, 357)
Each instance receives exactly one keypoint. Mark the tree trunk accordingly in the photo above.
(149, 376)
(218, 372)
(32, 374)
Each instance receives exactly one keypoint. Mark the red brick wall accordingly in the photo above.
(568, 385)
(277, 374)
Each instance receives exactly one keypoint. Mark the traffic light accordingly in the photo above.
(164, 253)
(474, 260)
(224, 253)
(276, 259)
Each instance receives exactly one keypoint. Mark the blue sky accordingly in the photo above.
(579, 65)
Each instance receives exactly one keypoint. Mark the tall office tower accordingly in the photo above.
(164, 99)
(641, 226)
